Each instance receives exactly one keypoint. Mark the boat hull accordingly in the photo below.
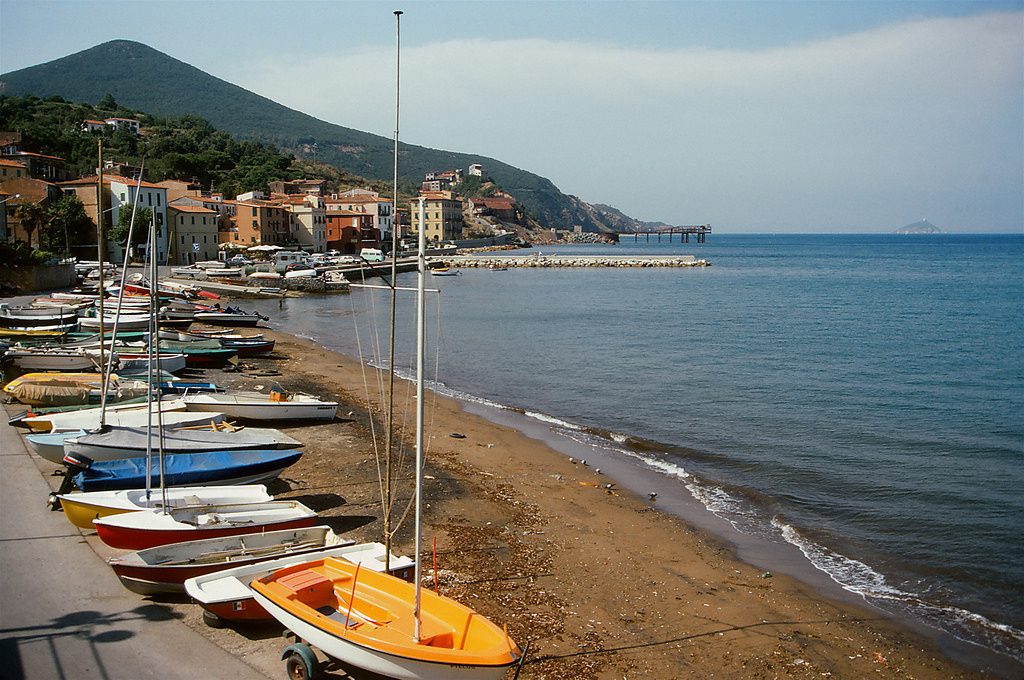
(368, 620)
(82, 508)
(194, 469)
(165, 569)
(388, 665)
(130, 538)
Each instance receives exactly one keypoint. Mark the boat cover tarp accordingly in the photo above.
(189, 441)
(185, 470)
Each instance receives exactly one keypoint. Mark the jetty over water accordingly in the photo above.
(699, 231)
(540, 260)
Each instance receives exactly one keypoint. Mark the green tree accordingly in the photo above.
(108, 103)
(67, 224)
(119, 232)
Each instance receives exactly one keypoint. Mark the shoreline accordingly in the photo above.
(602, 584)
(741, 557)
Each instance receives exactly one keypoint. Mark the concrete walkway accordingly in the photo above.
(64, 614)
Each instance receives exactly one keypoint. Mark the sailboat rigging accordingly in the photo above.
(375, 621)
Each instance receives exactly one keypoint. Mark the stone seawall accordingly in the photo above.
(542, 261)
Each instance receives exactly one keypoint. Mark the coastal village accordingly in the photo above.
(195, 224)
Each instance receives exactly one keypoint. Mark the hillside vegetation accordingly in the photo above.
(145, 79)
(184, 148)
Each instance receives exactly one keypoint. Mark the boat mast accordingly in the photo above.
(99, 257)
(389, 429)
(421, 338)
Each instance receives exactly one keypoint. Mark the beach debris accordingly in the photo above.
(597, 470)
(879, 659)
(652, 495)
(457, 435)
(572, 460)
(583, 461)
(767, 574)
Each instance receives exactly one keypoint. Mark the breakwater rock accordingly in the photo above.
(539, 260)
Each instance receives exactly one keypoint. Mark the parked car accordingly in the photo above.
(239, 261)
(295, 266)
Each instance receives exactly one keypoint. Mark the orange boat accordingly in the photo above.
(367, 619)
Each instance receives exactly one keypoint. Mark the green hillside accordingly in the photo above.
(144, 79)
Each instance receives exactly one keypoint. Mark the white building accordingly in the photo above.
(308, 221)
(124, 191)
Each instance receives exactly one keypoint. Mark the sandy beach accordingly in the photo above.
(599, 582)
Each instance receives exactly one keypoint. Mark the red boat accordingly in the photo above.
(147, 529)
(165, 568)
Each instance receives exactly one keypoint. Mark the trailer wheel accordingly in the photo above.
(300, 662)
(212, 620)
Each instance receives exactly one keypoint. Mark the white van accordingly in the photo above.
(283, 258)
(371, 255)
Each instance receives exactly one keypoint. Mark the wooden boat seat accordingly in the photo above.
(309, 587)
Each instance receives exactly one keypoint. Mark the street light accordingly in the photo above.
(10, 198)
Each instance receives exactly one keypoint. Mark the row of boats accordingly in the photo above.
(163, 470)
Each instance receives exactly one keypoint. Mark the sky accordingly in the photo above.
(770, 116)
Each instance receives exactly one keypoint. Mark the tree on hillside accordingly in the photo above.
(107, 103)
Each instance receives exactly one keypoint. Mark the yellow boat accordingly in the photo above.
(82, 514)
(63, 389)
(366, 619)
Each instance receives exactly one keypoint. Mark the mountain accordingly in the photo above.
(919, 227)
(145, 79)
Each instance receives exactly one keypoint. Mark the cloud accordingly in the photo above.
(865, 130)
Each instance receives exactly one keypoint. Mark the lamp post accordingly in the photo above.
(3, 235)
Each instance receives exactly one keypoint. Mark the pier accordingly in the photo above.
(700, 232)
(540, 261)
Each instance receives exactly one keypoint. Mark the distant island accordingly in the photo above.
(919, 227)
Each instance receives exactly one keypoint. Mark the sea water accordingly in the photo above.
(860, 397)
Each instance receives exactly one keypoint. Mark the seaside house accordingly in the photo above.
(308, 220)
(365, 201)
(40, 166)
(120, 192)
(27, 190)
(194, 234)
(12, 170)
(303, 187)
(259, 221)
(348, 231)
(124, 124)
(443, 216)
(90, 125)
(499, 207)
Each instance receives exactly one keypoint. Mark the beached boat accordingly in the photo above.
(378, 622)
(202, 354)
(246, 347)
(170, 362)
(369, 620)
(192, 469)
(131, 442)
(126, 321)
(30, 317)
(226, 595)
(53, 358)
(17, 335)
(64, 389)
(229, 317)
(165, 568)
(89, 418)
(82, 507)
(259, 406)
(150, 528)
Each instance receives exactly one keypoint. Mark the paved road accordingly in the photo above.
(63, 613)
